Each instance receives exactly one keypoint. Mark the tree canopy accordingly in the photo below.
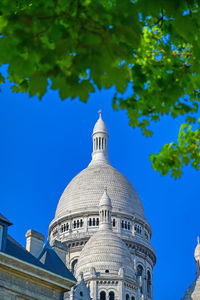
(150, 48)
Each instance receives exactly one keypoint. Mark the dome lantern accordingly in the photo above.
(100, 140)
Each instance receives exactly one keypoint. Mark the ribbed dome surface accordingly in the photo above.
(85, 190)
(105, 251)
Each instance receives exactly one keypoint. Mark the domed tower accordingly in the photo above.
(106, 261)
(77, 214)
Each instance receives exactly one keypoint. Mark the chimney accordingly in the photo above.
(60, 249)
(34, 242)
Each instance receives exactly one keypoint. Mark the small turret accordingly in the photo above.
(105, 211)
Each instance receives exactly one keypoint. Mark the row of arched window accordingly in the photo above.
(93, 222)
(100, 143)
(111, 296)
(125, 225)
(128, 297)
(138, 229)
(79, 224)
(76, 224)
(65, 227)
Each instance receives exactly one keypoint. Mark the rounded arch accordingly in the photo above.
(140, 270)
(127, 297)
(73, 264)
(111, 295)
(102, 295)
(132, 298)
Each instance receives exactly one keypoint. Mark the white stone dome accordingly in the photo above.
(85, 190)
(108, 254)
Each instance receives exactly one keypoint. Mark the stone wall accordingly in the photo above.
(13, 287)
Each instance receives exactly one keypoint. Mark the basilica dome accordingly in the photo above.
(84, 192)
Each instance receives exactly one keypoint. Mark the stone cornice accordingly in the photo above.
(33, 273)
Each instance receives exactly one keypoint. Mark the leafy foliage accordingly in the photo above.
(77, 46)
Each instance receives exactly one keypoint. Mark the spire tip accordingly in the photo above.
(100, 113)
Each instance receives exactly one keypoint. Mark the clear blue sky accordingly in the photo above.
(44, 144)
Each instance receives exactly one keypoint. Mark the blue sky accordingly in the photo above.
(44, 144)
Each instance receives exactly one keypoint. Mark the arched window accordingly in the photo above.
(64, 227)
(139, 276)
(132, 298)
(122, 224)
(93, 223)
(99, 143)
(67, 226)
(125, 224)
(102, 143)
(148, 283)
(111, 296)
(74, 224)
(139, 270)
(127, 297)
(90, 222)
(114, 222)
(102, 295)
(81, 223)
(97, 223)
(73, 265)
(129, 226)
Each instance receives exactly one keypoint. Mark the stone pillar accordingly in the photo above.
(119, 228)
(34, 242)
(85, 220)
(60, 249)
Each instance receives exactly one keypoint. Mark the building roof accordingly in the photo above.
(50, 262)
(5, 220)
(13, 248)
(53, 263)
(85, 190)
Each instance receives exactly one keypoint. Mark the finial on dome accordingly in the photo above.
(100, 114)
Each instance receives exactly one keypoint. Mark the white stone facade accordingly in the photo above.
(77, 219)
